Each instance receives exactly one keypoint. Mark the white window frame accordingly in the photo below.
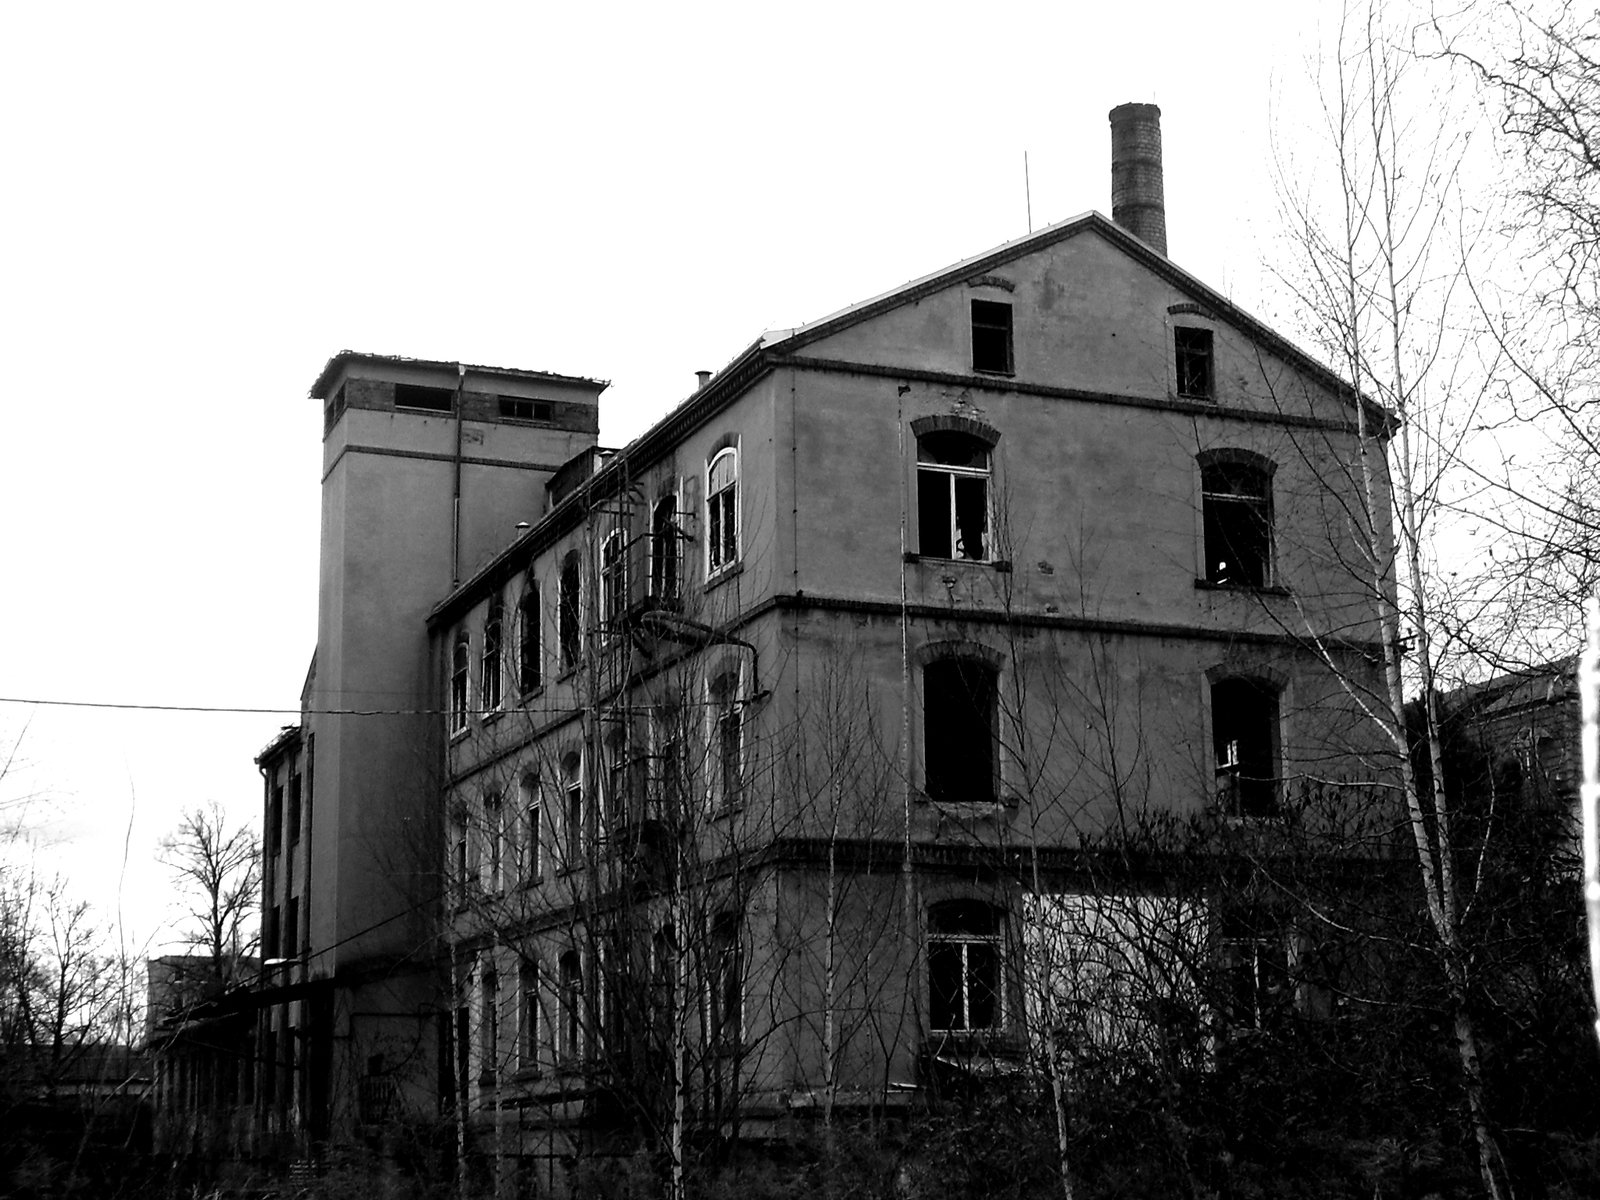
(952, 473)
(666, 551)
(724, 705)
(965, 940)
(723, 530)
(613, 580)
(491, 682)
(460, 682)
(530, 642)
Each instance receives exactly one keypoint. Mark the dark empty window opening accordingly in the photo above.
(963, 966)
(517, 409)
(1194, 362)
(959, 730)
(991, 336)
(1257, 972)
(430, 399)
(727, 739)
(952, 496)
(528, 649)
(727, 996)
(1237, 499)
(664, 549)
(493, 633)
(333, 410)
(570, 608)
(1244, 734)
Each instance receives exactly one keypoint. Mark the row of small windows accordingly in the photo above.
(992, 350)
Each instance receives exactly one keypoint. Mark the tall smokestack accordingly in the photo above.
(1138, 198)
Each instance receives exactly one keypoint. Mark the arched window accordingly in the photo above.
(570, 609)
(1244, 734)
(964, 980)
(960, 730)
(493, 631)
(953, 471)
(1236, 496)
(460, 663)
(528, 647)
(664, 542)
(722, 511)
(613, 580)
(494, 841)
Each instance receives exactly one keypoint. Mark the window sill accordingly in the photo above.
(1266, 589)
(493, 715)
(532, 693)
(1187, 399)
(990, 371)
(723, 574)
(457, 735)
(1002, 565)
(528, 1074)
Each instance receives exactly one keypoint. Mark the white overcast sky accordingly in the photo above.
(203, 202)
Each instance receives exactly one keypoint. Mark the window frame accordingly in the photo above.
(990, 334)
(569, 611)
(725, 739)
(530, 806)
(460, 683)
(941, 940)
(494, 837)
(491, 681)
(666, 551)
(528, 1017)
(722, 514)
(1232, 517)
(574, 817)
(726, 999)
(613, 581)
(568, 1034)
(489, 1027)
(530, 663)
(1239, 795)
(940, 481)
(1201, 350)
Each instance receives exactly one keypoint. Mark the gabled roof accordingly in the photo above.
(324, 383)
(789, 340)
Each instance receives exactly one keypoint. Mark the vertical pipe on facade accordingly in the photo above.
(908, 926)
(455, 498)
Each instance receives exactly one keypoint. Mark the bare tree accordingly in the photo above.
(218, 869)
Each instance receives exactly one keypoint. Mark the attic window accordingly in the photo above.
(518, 409)
(429, 399)
(333, 410)
(1194, 362)
(991, 336)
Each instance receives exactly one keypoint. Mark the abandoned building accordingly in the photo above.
(709, 784)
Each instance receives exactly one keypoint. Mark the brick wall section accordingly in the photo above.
(1138, 195)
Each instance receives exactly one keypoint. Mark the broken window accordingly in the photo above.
(964, 966)
(1244, 733)
(613, 580)
(664, 539)
(952, 496)
(569, 1015)
(727, 990)
(569, 609)
(429, 399)
(459, 662)
(493, 632)
(1194, 362)
(722, 511)
(1237, 502)
(528, 664)
(959, 730)
(991, 336)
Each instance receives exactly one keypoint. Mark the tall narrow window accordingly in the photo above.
(669, 762)
(960, 730)
(489, 1029)
(991, 336)
(528, 648)
(528, 1017)
(952, 496)
(493, 632)
(494, 841)
(722, 511)
(575, 818)
(294, 808)
(570, 610)
(613, 580)
(1195, 381)
(569, 1009)
(1244, 733)
(664, 542)
(964, 966)
(460, 659)
(528, 796)
(1237, 500)
(727, 984)
(460, 858)
(727, 740)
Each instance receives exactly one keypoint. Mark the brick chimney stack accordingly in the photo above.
(1138, 199)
